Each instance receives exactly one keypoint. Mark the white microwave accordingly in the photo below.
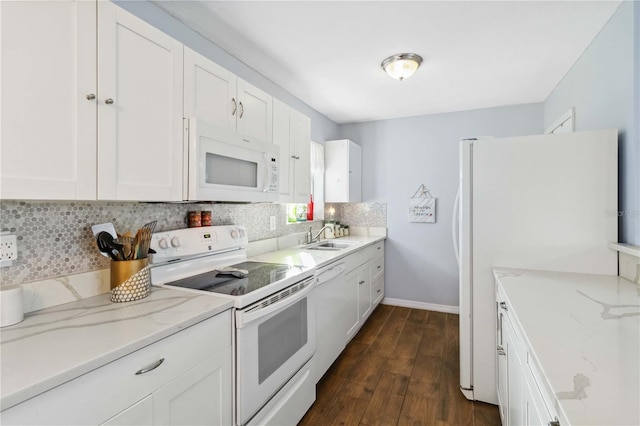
(222, 166)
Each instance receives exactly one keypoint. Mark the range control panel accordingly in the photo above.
(181, 243)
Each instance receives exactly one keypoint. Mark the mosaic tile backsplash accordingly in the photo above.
(359, 214)
(55, 237)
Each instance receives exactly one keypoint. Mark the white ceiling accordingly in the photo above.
(477, 54)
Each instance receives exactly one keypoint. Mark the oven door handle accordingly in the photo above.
(247, 316)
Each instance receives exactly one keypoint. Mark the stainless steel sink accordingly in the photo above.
(330, 246)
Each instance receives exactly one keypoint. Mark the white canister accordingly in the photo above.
(11, 311)
(329, 231)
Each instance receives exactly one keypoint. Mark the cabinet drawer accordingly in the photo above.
(377, 268)
(377, 288)
(98, 395)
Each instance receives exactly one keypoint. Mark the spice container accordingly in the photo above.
(205, 217)
(346, 230)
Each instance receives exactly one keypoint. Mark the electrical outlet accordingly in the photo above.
(8, 249)
(272, 223)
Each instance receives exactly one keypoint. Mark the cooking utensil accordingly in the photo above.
(107, 227)
(106, 244)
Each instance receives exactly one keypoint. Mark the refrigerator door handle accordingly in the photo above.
(455, 223)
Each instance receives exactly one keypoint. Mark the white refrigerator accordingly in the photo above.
(545, 202)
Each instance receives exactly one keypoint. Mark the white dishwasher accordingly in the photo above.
(332, 316)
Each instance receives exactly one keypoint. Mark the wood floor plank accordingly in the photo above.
(386, 402)
(425, 377)
(405, 351)
(485, 415)
(385, 342)
(374, 324)
(418, 317)
(436, 320)
(418, 410)
(433, 342)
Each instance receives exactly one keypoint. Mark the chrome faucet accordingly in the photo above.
(311, 238)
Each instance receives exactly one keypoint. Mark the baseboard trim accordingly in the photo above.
(421, 305)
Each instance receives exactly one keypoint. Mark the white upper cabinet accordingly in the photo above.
(343, 172)
(48, 116)
(216, 95)
(140, 137)
(89, 109)
(292, 132)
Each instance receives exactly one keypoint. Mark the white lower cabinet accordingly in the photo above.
(521, 399)
(183, 379)
(364, 285)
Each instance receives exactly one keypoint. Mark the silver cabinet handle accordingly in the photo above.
(295, 157)
(379, 266)
(241, 113)
(234, 106)
(379, 247)
(378, 291)
(91, 96)
(501, 350)
(503, 305)
(151, 367)
(555, 422)
(361, 282)
(108, 101)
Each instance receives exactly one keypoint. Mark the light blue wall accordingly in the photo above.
(401, 154)
(322, 128)
(603, 87)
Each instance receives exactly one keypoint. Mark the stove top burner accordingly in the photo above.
(260, 274)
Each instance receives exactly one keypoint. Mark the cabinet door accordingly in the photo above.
(502, 371)
(202, 396)
(140, 413)
(140, 144)
(301, 141)
(351, 297)
(255, 113)
(355, 173)
(48, 69)
(282, 138)
(364, 291)
(515, 376)
(209, 91)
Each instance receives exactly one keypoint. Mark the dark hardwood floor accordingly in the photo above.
(402, 368)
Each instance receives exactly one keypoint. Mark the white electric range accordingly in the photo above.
(274, 316)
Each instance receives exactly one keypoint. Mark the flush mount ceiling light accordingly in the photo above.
(402, 65)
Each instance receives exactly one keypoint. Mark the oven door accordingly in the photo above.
(224, 167)
(274, 340)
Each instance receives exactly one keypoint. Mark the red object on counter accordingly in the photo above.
(310, 208)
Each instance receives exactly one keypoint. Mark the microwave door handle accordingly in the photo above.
(267, 173)
(244, 318)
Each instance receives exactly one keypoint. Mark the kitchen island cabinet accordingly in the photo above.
(165, 359)
(568, 348)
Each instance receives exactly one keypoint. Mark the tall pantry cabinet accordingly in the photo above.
(91, 109)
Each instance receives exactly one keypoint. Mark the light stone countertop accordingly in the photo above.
(301, 255)
(58, 344)
(584, 332)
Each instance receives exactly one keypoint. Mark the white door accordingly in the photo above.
(140, 146)
(255, 113)
(201, 396)
(48, 116)
(209, 91)
(300, 128)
